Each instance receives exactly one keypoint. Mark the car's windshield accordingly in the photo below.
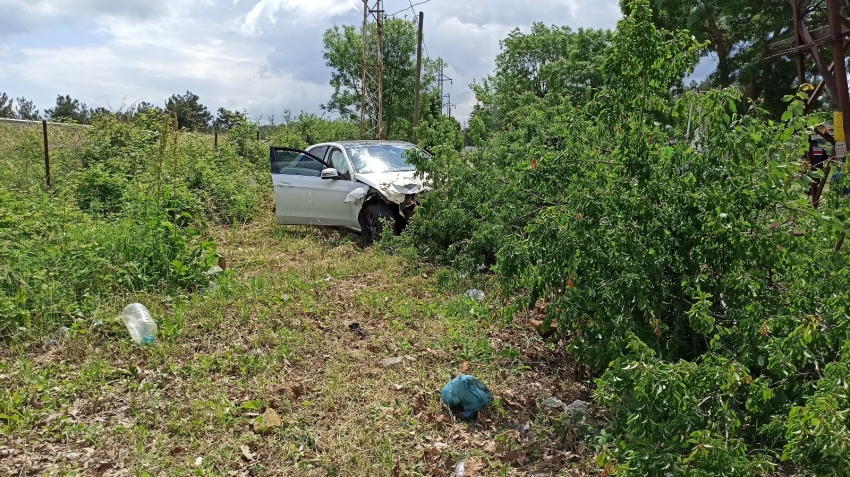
(380, 158)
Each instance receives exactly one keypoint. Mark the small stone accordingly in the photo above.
(554, 403)
(577, 408)
(391, 361)
(267, 422)
(72, 455)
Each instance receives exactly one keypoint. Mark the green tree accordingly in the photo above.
(227, 119)
(6, 107)
(741, 33)
(101, 111)
(672, 242)
(545, 61)
(191, 114)
(68, 109)
(344, 54)
(26, 110)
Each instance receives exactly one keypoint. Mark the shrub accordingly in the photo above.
(57, 262)
(671, 240)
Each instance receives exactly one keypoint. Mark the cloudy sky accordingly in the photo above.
(263, 56)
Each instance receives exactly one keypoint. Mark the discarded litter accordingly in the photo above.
(391, 361)
(467, 392)
(460, 469)
(476, 294)
(215, 270)
(139, 323)
(357, 330)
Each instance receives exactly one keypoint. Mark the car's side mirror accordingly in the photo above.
(330, 173)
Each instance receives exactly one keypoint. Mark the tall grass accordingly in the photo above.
(127, 212)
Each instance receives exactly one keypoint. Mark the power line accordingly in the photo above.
(415, 13)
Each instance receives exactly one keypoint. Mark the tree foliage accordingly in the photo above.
(69, 109)
(26, 110)
(6, 107)
(547, 60)
(190, 113)
(226, 119)
(740, 34)
(674, 245)
(344, 55)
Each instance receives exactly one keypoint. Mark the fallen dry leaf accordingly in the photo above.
(268, 422)
(431, 454)
(246, 453)
(464, 367)
(515, 457)
(299, 390)
(418, 404)
(474, 467)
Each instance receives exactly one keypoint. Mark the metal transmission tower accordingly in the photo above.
(441, 79)
(808, 39)
(371, 94)
(448, 104)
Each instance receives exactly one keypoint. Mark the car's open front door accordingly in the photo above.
(302, 197)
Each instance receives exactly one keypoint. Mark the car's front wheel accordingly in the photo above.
(372, 221)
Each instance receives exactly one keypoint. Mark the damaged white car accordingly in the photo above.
(354, 184)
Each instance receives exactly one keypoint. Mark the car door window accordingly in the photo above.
(296, 163)
(319, 152)
(338, 161)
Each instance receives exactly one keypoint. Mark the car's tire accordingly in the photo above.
(372, 221)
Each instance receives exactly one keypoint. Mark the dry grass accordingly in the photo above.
(274, 333)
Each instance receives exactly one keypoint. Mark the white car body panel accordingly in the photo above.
(308, 200)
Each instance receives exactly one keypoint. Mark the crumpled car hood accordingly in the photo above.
(395, 186)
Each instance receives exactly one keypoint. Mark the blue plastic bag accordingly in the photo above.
(467, 392)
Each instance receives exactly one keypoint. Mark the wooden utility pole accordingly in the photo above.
(418, 77)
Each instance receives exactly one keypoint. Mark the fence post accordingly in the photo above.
(258, 134)
(46, 152)
(216, 140)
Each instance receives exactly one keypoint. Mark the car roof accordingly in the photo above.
(364, 143)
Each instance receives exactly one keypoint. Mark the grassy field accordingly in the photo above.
(274, 334)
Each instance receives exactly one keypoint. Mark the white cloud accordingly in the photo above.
(103, 51)
(309, 11)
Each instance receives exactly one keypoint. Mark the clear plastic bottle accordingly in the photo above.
(139, 323)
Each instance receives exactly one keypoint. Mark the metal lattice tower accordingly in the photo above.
(441, 79)
(371, 94)
(807, 40)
